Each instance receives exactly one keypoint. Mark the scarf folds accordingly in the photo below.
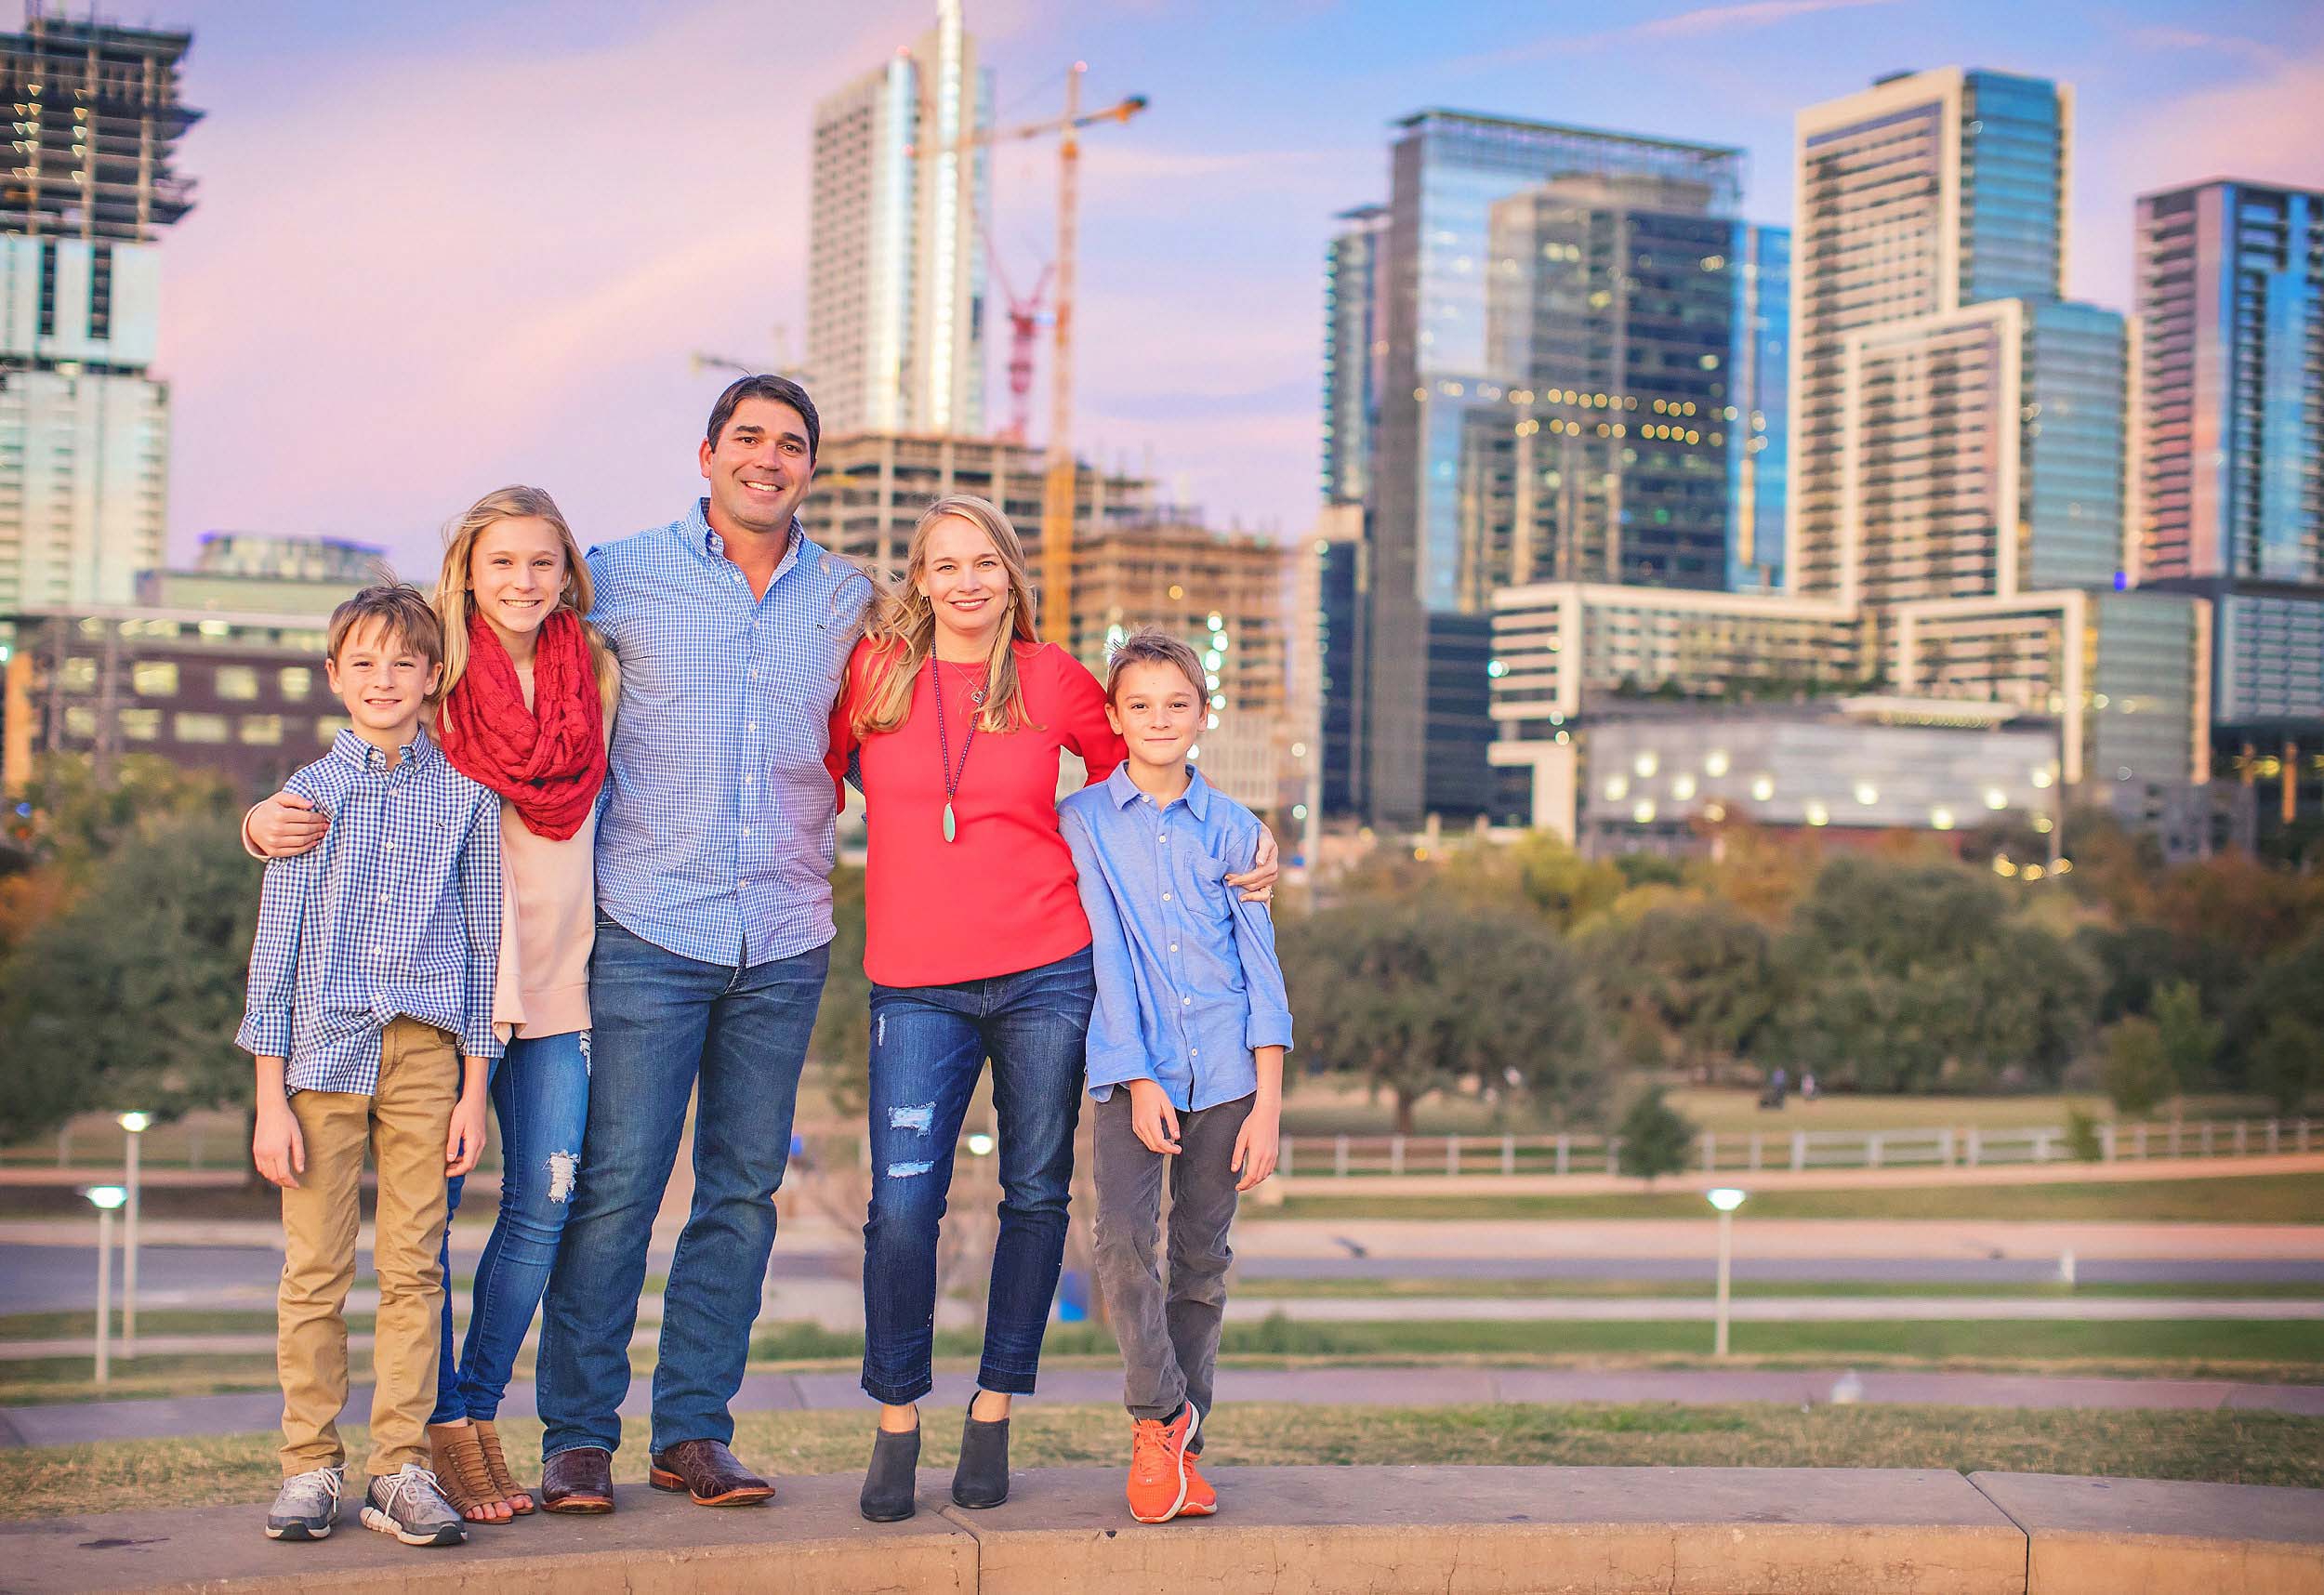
(548, 760)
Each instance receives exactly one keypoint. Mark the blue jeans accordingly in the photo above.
(541, 1093)
(659, 1023)
(929, 1045)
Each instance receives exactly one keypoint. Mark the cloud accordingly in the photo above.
(1704, 21)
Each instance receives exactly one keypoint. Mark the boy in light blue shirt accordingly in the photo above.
(1185, 1055)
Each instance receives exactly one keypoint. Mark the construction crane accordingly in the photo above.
(1057, 487)
(1024, 331)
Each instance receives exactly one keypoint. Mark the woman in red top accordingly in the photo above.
(955, 713)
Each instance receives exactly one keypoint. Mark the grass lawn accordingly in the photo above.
(1704, 1287)
(2229, 1199)
(2257, 1448)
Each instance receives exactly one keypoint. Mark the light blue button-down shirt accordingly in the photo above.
(397, 911)
(716, 837)
(1188, 984)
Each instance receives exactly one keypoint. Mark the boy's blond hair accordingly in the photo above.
(401, 609)
(1152, 645)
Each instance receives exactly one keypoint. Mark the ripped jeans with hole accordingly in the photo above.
(929, 1046)
(540, 1092)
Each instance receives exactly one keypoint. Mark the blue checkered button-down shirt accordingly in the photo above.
(397, 911)
(1188, 982)
(717, 834)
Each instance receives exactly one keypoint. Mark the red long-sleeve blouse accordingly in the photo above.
(999, 897)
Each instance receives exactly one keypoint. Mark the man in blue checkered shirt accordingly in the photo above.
(369, 1014)
(714, 854)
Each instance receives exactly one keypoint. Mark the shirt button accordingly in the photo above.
(745, 830)
(1194, 1052)
(1174, 946)
(379, 952)
(745, 780)
(1165, 897)
(750, 725)
(1186, 1002)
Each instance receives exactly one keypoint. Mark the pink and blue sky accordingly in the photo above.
(450, 244)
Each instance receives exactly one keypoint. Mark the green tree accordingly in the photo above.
(2191, 1041)
(1421, 996)
(130, 998)
(1696, 972)
(1655, 1137)
(2288, 1064)
(2137, 1073)
(2290, 986)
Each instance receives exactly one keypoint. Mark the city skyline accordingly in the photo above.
(456, 370)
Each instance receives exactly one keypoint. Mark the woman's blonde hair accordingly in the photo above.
(902, 627)
(459, 552)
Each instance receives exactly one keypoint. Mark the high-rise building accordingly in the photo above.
(1353, 351)
(1429, 638)
(895, 265)
(257, 572)
(1758, 438)
(1333, 614)
(2231, 309)
(84, 426)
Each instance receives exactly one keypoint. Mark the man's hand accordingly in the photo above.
(285, 825)
(276, 1146)
(1256, 1146)
(465, 1144)
(1259, 881)
(1153, 1118)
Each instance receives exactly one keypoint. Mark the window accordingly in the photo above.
(297, 680)
(81, 722)
(142, 725)
(79, 674)
(261, 731)
(201, 728)
(327, 728)
(237, 683)
(154, 678)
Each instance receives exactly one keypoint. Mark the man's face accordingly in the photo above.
(759, 469)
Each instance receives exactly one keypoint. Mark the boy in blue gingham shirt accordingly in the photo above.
(369, 1014)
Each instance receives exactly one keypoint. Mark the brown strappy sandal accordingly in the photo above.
(496, 1463)
(461, 1472)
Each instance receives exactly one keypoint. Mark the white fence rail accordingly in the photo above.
(1735, 1150)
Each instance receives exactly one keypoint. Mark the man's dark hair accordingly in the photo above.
(783, 390)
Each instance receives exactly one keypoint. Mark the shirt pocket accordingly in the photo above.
(1213, 894)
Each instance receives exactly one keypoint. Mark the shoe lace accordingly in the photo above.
(417, 1484)
(325, 1479)
(1149, 1449)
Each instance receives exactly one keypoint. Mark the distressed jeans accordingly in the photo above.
(540, 1092)
(660, 1024)
(929, 1045)
(1170, 1336)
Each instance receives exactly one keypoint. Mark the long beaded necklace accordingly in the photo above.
(944, 742)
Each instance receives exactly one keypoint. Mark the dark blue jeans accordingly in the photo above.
(541, 1093)
(929, 1045)
(660, 1023)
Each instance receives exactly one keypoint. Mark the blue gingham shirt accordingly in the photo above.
(717, 834)
(397, 911)
(1188, 984)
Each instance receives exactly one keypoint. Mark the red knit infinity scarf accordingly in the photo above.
(548, 760)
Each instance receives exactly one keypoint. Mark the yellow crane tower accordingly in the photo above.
(1057, 487)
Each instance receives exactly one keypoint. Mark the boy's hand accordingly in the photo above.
(1256, 1146)
(276, 1146)
(1259, 881)
(1153, 1118)
(287, 825)
(464, 1144)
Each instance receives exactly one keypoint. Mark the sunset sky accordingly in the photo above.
(441, 245)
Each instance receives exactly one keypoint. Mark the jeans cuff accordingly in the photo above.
(898, 1393)
(1005, 1381)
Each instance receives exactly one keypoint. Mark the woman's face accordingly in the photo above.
(964, 580)
(516, 569)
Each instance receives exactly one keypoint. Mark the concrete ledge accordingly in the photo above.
(2137, 1536)
(1290, 1531)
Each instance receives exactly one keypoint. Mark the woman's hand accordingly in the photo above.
(1259, 881)
(285, 825)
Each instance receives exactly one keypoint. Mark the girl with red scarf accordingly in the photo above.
(528, 704)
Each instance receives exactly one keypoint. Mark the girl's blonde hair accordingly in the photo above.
(459, 552)
(903, 626)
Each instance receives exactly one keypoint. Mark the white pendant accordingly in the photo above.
(951, 828)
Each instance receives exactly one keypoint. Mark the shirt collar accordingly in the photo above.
(706, 537)
(361, 753)
(1124, 791)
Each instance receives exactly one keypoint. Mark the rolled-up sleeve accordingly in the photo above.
(266, 1019)
(480, 914)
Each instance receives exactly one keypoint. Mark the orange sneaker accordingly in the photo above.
(1157, 1465)
(1202, 1501)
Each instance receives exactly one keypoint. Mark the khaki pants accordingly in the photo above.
(405, 1121)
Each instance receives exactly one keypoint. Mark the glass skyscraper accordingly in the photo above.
(1353, 352)
(1759, 435)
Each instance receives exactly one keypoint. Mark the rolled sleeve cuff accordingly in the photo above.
(1118, 1070)
(265, 1035)
(1270, 1030)
(484, 1044)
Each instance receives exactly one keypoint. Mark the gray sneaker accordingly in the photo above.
(410, 1505)
(308, 1505)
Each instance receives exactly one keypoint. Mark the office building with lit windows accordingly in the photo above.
(2230, 295)
(90, 187)
(896, 262)
(1759, 452)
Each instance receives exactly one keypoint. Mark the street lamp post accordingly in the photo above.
(135, 1124)
(1726, 1199)
(104, 1198)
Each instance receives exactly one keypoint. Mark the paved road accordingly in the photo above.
(259, 1411)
